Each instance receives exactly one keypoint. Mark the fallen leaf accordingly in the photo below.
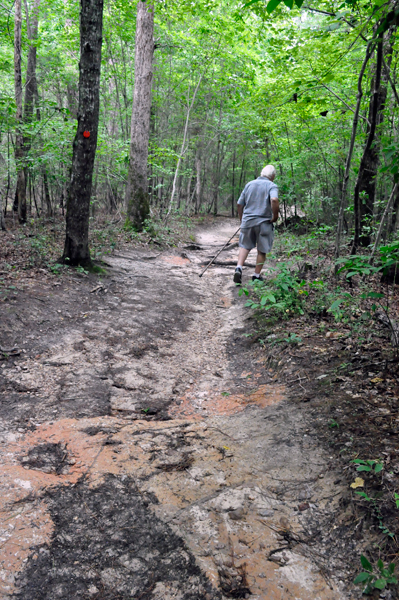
(376, 380)
(359, 482)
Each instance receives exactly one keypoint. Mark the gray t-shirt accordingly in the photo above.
(255, 198)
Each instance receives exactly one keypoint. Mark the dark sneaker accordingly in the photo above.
(237, 276)
(260, 278)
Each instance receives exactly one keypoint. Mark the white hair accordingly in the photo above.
(269, 171)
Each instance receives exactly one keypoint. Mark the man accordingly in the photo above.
(258, 209)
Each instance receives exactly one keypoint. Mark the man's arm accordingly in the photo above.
(275, 208)
(240, 209)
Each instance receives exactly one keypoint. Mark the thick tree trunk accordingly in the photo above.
(19, 141)
(76, 250)
(30, 87)
(369, 51)
(137, 197)
(364, 193)
(31, 82)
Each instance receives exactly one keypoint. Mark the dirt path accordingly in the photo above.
(147, 452)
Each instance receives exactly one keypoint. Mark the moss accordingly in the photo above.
(96, 269)
(138, 209)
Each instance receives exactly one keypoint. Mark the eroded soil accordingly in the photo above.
(147, 451)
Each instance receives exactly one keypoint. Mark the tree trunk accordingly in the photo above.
(31, 82)
(76, 250)
(188, 193)
(49, 208)
(19, 141)
(382, 222)
(233, 186)
(137, 197)
(216, 181)
(2, 221)
(364, 194)
(198, 187)
(369, 51)
(395, 215)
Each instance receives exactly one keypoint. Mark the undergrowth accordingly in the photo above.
(331, 340)
(39, 243)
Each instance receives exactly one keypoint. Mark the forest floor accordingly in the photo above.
(152, 449)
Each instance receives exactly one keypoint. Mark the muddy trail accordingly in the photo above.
(148, 452)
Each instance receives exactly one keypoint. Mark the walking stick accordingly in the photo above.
(221, 250)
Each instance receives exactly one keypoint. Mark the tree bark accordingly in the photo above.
(76, 250)
(49, 208)
(31, 83)
(395, 215)
(19, 141)
(198, 187)
(369, 51)
(137, 197)
(365, 187)
(233, 186)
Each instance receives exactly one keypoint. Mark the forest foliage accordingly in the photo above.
(235, 85)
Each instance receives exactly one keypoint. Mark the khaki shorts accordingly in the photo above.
(261, 236)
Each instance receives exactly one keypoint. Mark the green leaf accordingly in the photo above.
(299, 3)
(378, 467)
(289, 3)
(250, 3)
(391, 568)
(336, 304)
(380, 564)
(372, 295)
(361, 578)
(272, 5)
(352, 273)
(365, 563)
(363, 468)
(380, 584)
(363, 495)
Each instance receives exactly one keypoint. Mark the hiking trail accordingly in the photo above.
(147, 450)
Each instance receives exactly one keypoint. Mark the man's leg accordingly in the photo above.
(242, 257)
(260, 261)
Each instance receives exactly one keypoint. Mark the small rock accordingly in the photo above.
(303, 506)
(284, 522)
(321, 476)
(266, 513)
(92, 590)
(237, 514)
(304, 495)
